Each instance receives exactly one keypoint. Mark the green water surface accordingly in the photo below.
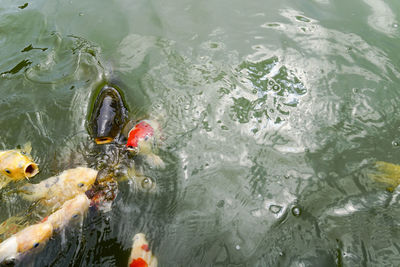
(272, 113)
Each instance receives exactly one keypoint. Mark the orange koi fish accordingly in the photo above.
(54, 191)
(16, 165)
(30, 238)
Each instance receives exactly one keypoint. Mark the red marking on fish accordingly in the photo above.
(13, 229)
(139, 262)
(44, 219)
(139, 132)
(145, 247)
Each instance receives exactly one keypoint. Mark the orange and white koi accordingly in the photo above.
(54, 191)
(16, 165)
(73, 209)
(143, 139)
(141, 255)
(28, 239)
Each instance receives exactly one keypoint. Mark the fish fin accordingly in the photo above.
(130, 174)
(386, 172)
(12, 225)
(30, 192)
(27, 148)
(155, 161)
(3, 181)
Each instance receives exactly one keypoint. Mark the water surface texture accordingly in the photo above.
(272, 113)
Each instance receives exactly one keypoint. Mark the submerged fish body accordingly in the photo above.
(16, 165)
(108, 116)
(143, 139)
(73, 209)
(387, 173)
(30, 238)
(141, 255)
(54, 191)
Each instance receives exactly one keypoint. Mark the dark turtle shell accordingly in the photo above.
(108, 116)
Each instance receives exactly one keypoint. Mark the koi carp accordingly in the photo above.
(16, 165)
(141, 255)
(108, 116)
(54, 191)
(143, 139)
(28, 239)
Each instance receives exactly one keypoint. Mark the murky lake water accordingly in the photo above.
(272, 113)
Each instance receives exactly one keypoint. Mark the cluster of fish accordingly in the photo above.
(65, 198)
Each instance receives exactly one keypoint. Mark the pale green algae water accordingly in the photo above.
(273, 111)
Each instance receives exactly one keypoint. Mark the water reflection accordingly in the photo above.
(271, 116)
(382, 18)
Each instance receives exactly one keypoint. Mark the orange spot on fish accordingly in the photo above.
(145, 247)
(44, 219)
(139, 262)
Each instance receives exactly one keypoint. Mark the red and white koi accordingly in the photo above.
(141, 255)
(143, 139)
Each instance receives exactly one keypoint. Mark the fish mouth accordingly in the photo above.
(133, 149)
(31, 170)
(103, 140)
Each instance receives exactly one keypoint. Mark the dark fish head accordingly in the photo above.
(108, 116)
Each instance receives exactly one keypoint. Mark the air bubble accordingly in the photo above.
(147, 183)
(237, 247)
(275, 87)
(395, 144)
(275, 209)
(296, 211)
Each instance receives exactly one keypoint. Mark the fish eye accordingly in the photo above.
(36, 245)
(7, 171)
(146, 138)
(81, 184)
(75, 216)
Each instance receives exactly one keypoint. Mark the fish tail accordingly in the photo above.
(386, 172)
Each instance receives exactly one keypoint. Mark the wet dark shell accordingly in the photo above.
(108, 116)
